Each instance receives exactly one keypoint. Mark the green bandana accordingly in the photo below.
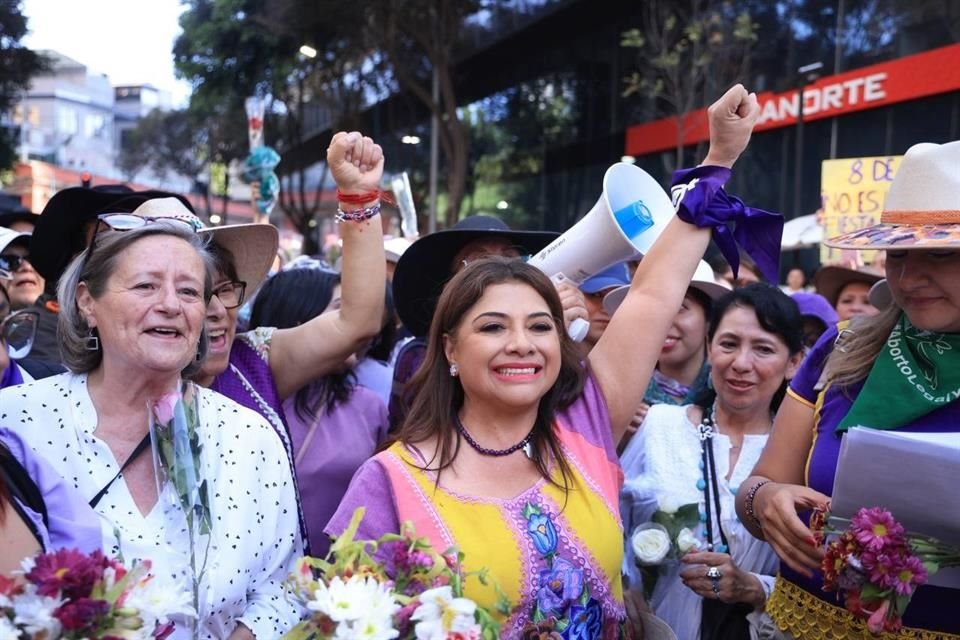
(915, 373)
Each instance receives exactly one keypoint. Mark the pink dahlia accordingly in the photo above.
(67, 572)
(906, 574)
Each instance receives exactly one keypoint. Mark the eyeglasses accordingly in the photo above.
(128, 221)
(230, 294)
(18, 331)
(11, 264)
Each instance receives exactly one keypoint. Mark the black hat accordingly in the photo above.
(424, 267)
(12, 211)
(58, 235)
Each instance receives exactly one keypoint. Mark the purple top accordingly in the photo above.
(931, 607)
(71, 523)
(248, 380)
(329, 450)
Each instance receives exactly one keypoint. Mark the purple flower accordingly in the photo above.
(82, 614)
(905, 574)
(876, 528)
(559, 586)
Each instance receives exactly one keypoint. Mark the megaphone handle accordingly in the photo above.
(578, 329)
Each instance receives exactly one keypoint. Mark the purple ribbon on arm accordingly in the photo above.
(700, 200)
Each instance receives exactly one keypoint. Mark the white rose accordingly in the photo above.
(687, 540)
(650, 543)
(668, 505)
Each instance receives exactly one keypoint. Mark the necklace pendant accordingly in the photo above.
(528, 450)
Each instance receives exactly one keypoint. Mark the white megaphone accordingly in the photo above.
(630, 215)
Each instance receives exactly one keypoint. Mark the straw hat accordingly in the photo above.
(922, 209)
(425, 266)
(703, 281)
(253, 246)
(830, 281)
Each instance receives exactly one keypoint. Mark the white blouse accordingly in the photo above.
(662, 463)
(256, 538)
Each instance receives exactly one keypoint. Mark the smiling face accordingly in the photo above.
(221, 329)
(926, 285)
(854, 300)
(748, 362)
(26, 285)
(687, 335)
(506, 347)
(150, 313)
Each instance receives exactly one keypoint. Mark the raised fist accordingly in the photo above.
(355, 162)
(731, 119)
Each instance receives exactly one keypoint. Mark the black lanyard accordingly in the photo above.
(707, 431)
(133, 456)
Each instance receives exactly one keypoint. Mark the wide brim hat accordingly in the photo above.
(8, 218)
(253, 246)
(830, 281)
(922, 210)
(703, 281)
(425, 266)
(58, 234)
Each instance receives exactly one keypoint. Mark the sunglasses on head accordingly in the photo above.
(11, 264)
(129, 221)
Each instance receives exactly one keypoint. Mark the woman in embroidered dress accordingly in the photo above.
(858, 383)
(755, 344)
(511, 456)
(131, 327)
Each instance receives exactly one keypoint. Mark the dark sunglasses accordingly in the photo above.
(230, 294)
(128, 221)
(11, 263)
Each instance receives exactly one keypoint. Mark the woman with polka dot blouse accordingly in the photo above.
(131, 326)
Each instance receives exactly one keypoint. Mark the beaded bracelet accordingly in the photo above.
(748, 503)
(357, 215)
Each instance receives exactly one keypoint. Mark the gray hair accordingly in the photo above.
(96, 270)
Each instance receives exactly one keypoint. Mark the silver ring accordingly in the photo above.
(714, 573)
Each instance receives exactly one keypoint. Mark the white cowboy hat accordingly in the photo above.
(922, 210)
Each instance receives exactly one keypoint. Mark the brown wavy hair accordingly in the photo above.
(440, 397)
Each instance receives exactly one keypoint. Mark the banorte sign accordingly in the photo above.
(920, 75)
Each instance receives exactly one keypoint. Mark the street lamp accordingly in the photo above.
(410, 139)
(308, 51)
(806, 74)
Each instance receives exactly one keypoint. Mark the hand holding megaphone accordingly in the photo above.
(575, 314)
(631, 213)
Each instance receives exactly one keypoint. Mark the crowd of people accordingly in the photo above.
(435, 382)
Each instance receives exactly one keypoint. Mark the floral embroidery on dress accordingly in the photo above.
(259, 340)
(564, 608)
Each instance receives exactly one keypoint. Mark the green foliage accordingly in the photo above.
(17, 65)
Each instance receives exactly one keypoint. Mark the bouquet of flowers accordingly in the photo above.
(664, 540)
(875, 565)
(177, 463)
(68, 594)
(415, 593)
